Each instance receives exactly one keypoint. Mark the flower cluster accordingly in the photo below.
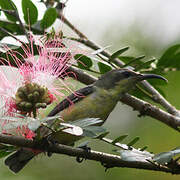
(36, 80)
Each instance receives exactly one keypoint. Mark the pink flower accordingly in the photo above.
(35, 83)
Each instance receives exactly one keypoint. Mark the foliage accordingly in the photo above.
(30, 12)
(92, 62)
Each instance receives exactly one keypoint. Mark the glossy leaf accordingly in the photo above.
(100, 50)
(118, 53)
(119, 139)
(30, 12)
(103, 68)
(93, 131)
(72, 129)
(102, 135)
(83, 144)
(8, 5)
(145, 65)
(135, 140)
(10, 27)
(15, 29)
(126, 59)
(130, 61)
(143, 148)
(4, 46)
(171, 58)
(6, 150)
(4, 154)
(141, 93)
(48, 18)
(163, 158)
(176, 151)
(166, 157)
(19, 52)
(128, 155)
(84, 62)
(86, 122)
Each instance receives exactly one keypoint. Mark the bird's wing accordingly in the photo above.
(72, 99)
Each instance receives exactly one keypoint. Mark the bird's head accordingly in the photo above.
(123, 80)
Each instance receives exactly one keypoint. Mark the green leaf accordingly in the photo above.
(143, 148)
(30, 12)
(10, 27)
(93, 131)
(166, 157)
(171, 58)
(103, 68)
(129, 155)
(117, 53)
(102, 135)
(86, 122)
(6, 150)
(19, 53)
(48, 18)
(83, 144)
(141, 93)
(84, 62)
(131, 143)
(119, 139)
(126, 59)
(4, 154)
(145, 65)
(163, 158)
(157, 82)
(137, 62)
(132, 62)
(8, 5)
(10, 46)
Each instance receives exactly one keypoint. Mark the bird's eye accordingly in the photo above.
(126, 74)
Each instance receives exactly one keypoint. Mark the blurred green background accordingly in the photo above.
(148, 28)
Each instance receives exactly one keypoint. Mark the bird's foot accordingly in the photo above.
(46, 142)
(107, 165)
(86, 152)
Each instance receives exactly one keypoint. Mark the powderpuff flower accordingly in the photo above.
(36, 81)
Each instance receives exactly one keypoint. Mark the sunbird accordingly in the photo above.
(94, 101)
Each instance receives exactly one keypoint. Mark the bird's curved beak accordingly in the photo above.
(152, 76)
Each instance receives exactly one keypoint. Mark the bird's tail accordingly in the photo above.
(19, 159)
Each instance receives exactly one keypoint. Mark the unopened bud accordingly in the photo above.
(42, 91)
(30, 97)
(28, 105)
(40, 105)
(22, 104)
(21, 94)
(36, 95)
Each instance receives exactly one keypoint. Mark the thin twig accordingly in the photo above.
(105, 158)
(10, 34)
(81, 76)
(157, 97)
(16, 14)
(68, 23)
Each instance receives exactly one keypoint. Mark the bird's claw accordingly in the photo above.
(107, 166)
(86, 152)
(46, 142)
